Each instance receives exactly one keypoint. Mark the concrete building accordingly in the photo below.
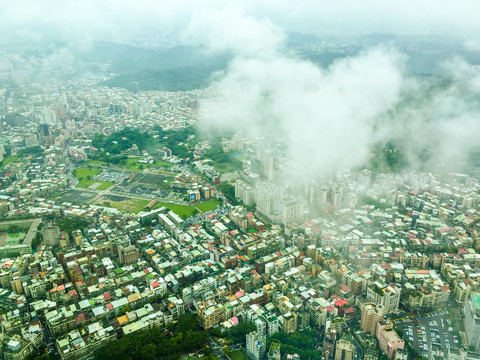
(371, 315)
(268, 199)
(128, 255)
(472, 321)
(17, 348)
(329, 343)
(245, 192)
(274, 352)
(256, 345)
(386, 295)
(289, 323)
(292, 212)
(344, 350)
(461, 291)
(388, 339)
(267, 163)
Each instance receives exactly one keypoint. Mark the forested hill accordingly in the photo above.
(177, 79)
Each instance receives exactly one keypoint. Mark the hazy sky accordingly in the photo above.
(154, 21)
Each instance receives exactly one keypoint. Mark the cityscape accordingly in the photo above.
(254, 196)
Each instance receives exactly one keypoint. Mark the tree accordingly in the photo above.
(72, 223)
(37, 241)
(188, 322)
(229, 192)
(239, 332)
(13, 228)
(154, 343)
(43, 357)
(126, 309)
(148, 352)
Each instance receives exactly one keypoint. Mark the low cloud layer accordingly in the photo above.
(331, 118)
(326, 115)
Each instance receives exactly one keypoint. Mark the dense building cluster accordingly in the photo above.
(363, 261)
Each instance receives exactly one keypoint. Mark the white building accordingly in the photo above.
(387, 296)
(256, 345)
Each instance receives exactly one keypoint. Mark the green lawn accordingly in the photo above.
(238, 355)
(136, 205)
(128, 205)
(208, 205)
(10, 159)
(105, 185)
(224, 167)
(84, 176)
(94, 163)
(132, 164)
(184, 211)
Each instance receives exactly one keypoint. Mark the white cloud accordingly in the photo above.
(168, 20)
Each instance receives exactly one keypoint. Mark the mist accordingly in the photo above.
(153, 23)
(332, 117)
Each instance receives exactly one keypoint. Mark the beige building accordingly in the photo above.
(128, 255)
(211, 315)
(371, 315)
(292, 212)
(289, 322)
(344, 351)
(388, 339)
(461, 291)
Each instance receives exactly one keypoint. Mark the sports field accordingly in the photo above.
(11, 238)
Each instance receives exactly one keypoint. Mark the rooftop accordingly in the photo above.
(476, 301)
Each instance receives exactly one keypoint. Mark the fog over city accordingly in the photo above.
(331, 115)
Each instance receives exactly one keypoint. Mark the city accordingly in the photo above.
(136, 224)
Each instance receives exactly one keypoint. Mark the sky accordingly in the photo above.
(158, 22)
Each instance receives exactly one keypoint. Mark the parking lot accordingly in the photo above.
(430, 333)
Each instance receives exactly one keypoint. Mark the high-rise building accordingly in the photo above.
(461, 290)
(371, 315)
(256, 345)
(344, 350)
(245, 192)
(267, 161)
(386, 295)
(268, 199)
(292, 212)
(472, 321)
(289, 323)
(261, 326)
(272, 324)
(128, 255)
(43, 130)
